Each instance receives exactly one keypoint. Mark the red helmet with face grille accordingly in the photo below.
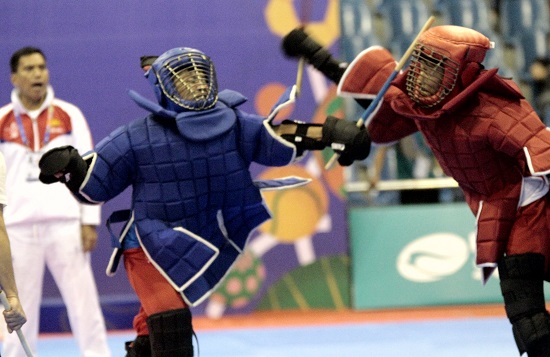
(442, 55)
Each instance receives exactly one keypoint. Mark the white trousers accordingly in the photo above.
(59, 247)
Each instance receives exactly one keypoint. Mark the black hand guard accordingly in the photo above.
(297, 44)
(355, 139)
(300, 137)
(66, 161)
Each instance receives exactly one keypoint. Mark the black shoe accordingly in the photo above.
(140, 347)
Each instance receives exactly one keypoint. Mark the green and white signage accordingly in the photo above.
(416, 255)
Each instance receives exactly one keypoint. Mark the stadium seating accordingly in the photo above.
(404, 19)
(357, 28)
(529, 45)
(468, 13)
(518, 17)
(520, 30)
(495, 57)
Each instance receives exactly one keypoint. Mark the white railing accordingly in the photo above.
(405, 184)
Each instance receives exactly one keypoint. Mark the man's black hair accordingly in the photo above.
(25, 51)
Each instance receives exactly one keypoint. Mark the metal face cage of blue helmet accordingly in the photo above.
(184, 78)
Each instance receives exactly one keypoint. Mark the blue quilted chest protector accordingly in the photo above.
(194, 201)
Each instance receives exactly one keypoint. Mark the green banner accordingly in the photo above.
(416, 255)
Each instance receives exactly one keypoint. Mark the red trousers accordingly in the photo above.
(154, 292)
(531, 231)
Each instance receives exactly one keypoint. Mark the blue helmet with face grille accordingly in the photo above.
(184, 78)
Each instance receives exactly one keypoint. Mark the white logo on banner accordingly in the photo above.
(433, 257)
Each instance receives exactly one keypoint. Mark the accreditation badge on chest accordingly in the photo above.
(33, 170)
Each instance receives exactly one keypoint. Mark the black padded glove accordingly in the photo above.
(63, 164)
(297, 43)
(355, 139)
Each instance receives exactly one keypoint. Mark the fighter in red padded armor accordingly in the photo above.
(487, 137)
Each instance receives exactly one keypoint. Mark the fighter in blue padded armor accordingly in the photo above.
(194, 202)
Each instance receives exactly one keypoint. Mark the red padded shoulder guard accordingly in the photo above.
(367, 73)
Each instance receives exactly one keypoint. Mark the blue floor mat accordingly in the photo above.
(472, 337)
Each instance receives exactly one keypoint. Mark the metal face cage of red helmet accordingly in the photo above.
(432, 75)
(444, 56)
